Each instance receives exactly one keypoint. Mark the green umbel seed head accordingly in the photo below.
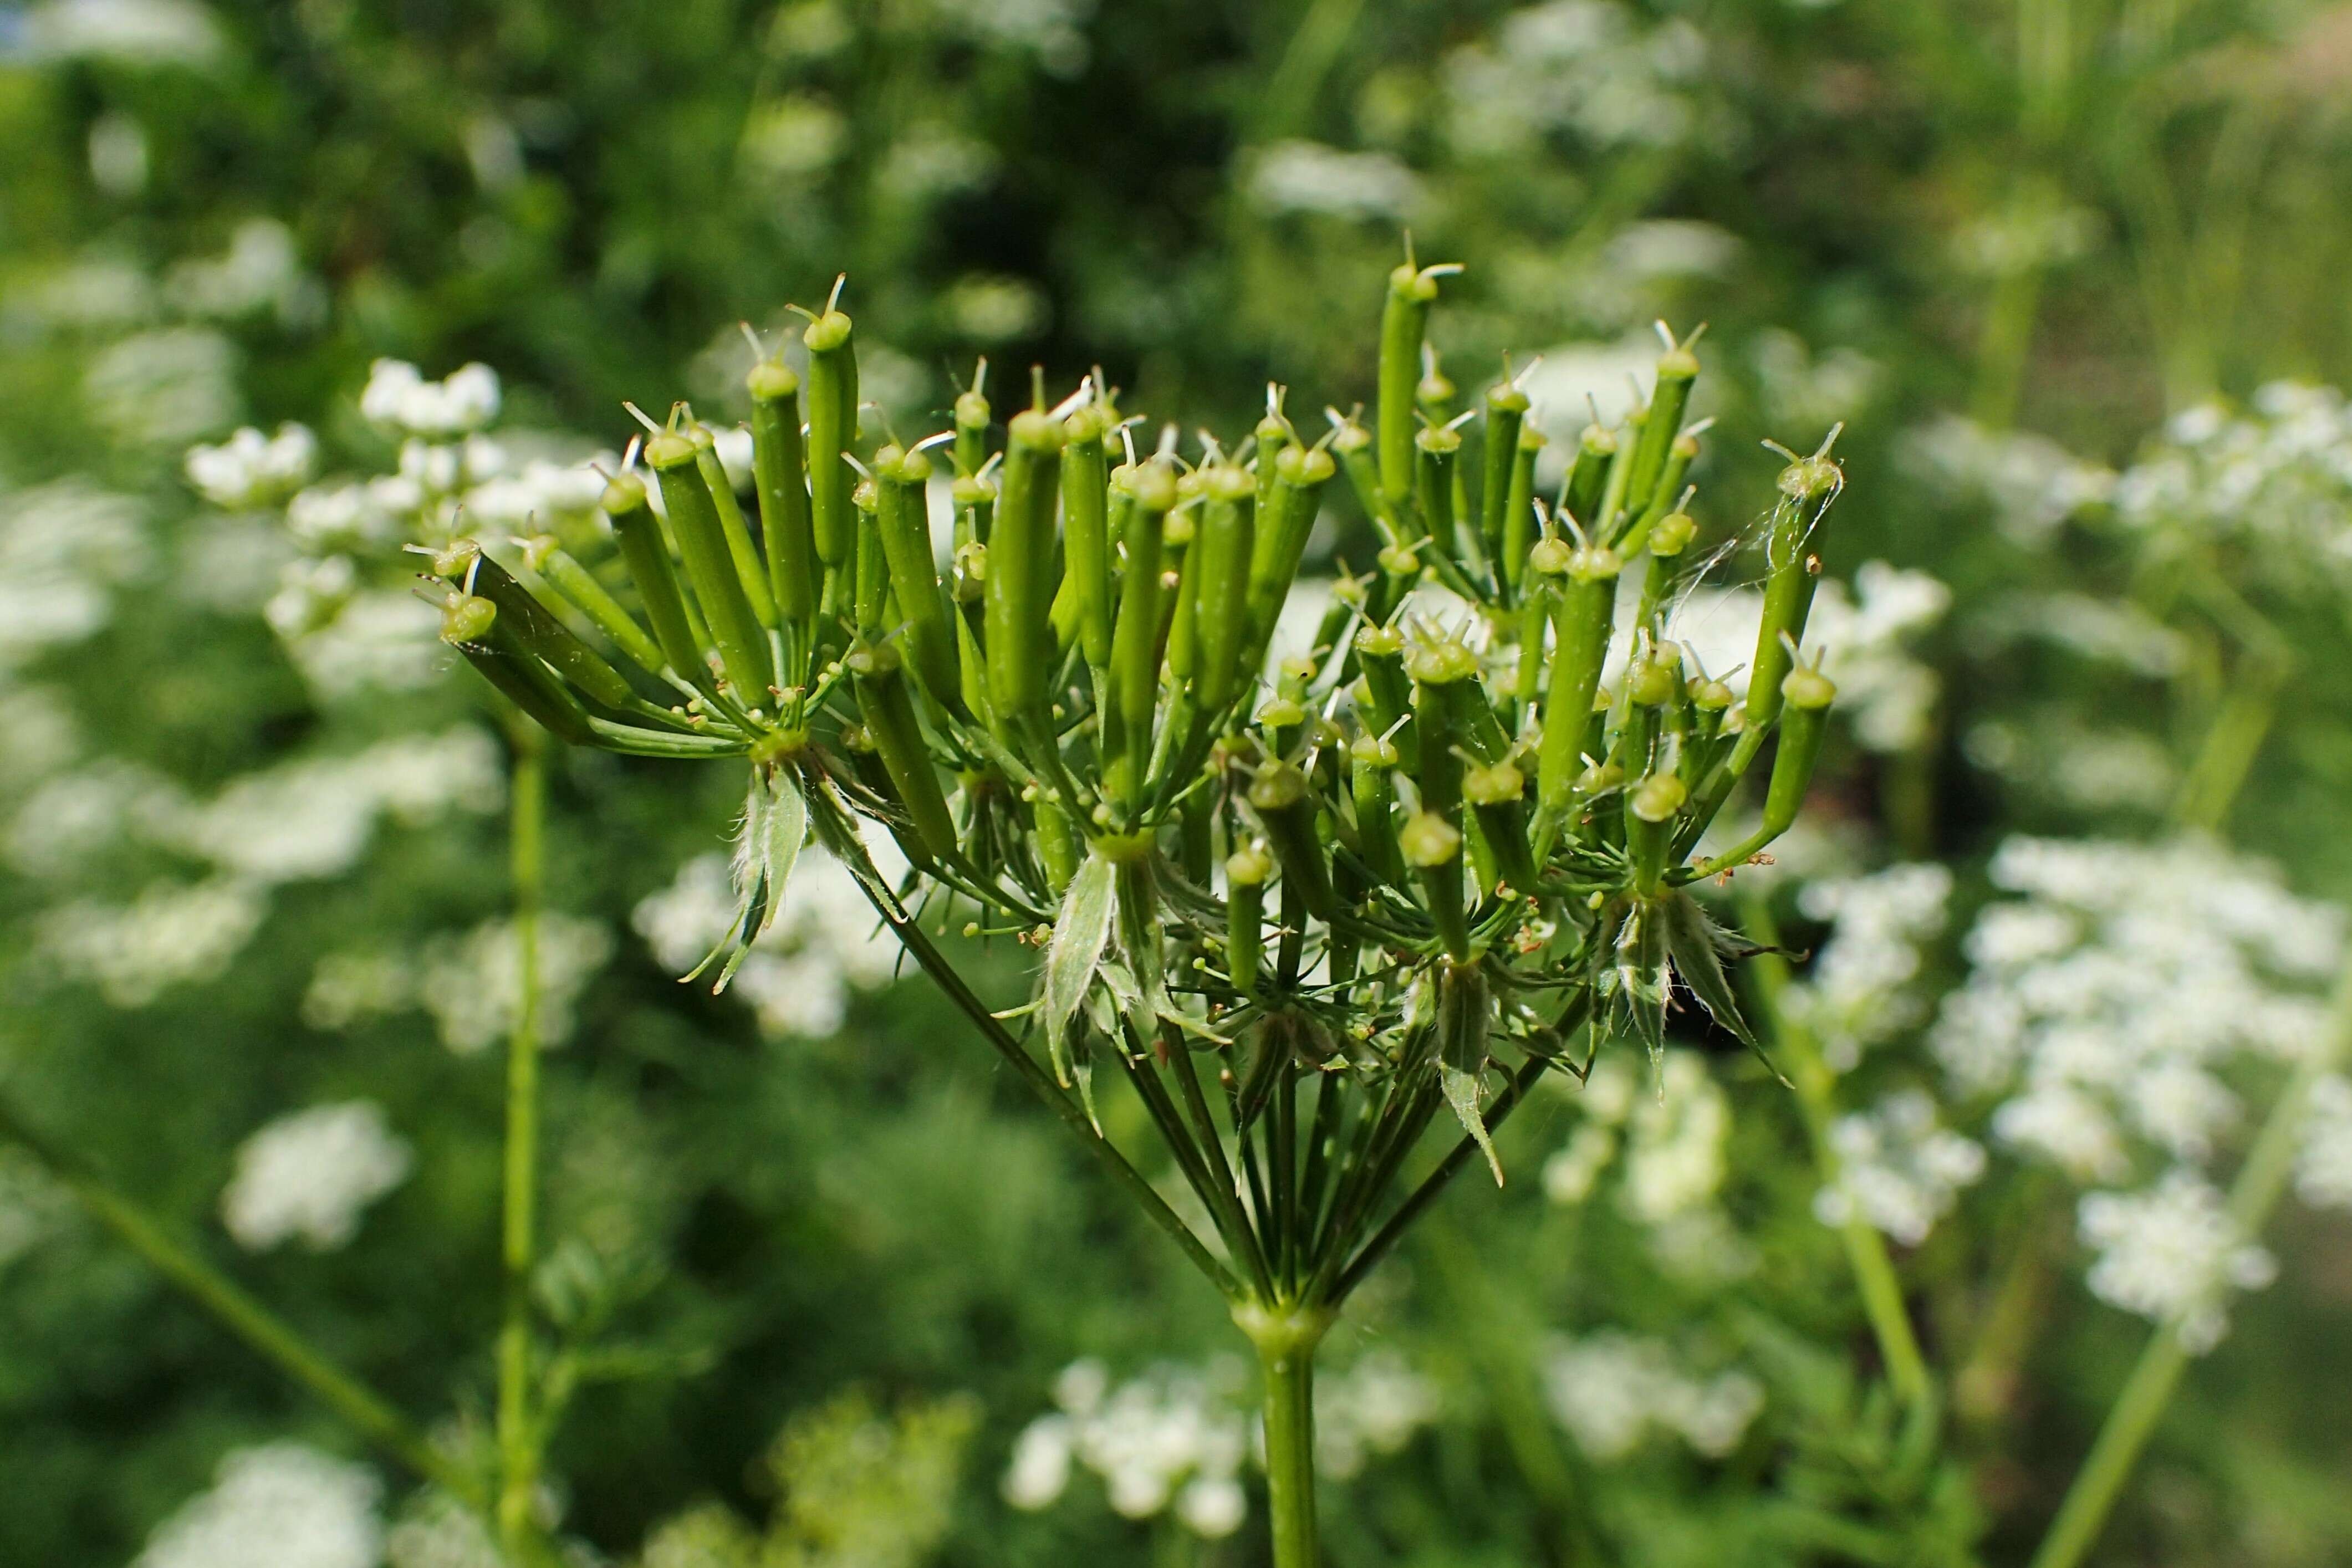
(1429, 840)
(1653, 682)
(1671, 535)
(1493, 785)
(1373, 752)
(772, 380)
(1409, 283)
(623, 493)
(1276, 786)
(1710, 696)
(1807, 688)
(1249, 866)
(827, 332)
(1659, 796)
(1810, 478)
(1440, 661)
(1305, 466)
(466, 618)
(1592, 563)
(1551, 557)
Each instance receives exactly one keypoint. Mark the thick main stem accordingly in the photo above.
(1285, 1338)
(518, 1446)
(2132, 1422)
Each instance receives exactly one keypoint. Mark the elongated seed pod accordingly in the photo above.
(1351, 444)
(1519, 509)
(1806, 488)
(1085, 538)
(1433, 847)
(1246, 869)
(1496, 792)
(1444, 672)
(1669, 536)
(1587, 475)
(536, 628)
(832, 431)
(644, 551)
(1650, 808)
(1020, 561)
(1387, 690)
(1404, 318)
(869, 568)
(471, 624)
(1284, 522)
(780, 470)
(579, 585)
(1806, 696)
(902, 517)
(1677, 367)
(709, 569)
(1284, 803)
(1584, 611)
(888, 705)
(1222, 547)
(1437, 454)
(749, 570)
(1274, 437)
(1135, 638)
(1663, 497)
(971, 417)
(1372, 786)
(1506, 412)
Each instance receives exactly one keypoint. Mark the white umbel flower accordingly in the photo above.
(312, 1175)
(1898, 1169)
(282, 1505)
(398, 396)
(2172, 1254)
(250, 469)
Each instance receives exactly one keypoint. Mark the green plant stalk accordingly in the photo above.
(1285, 1338)
(1865, 1249)
(2130, 1423)
(263, 1331)
(518, 1438)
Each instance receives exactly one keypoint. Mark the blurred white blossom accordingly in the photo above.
(171, 935)
(281, 1505)
(1614, 1390)
(2322, 1171)
(311, 1175)
(1591, 66)
(250, 469)
(398, 396)
(166, 388)
(2173, 1254)
(2032, 484)
(824, 944)
(64, 547)
(472, 985)
(1858, 991)
(1309, 177)
(1897, 1168)
(132, 32)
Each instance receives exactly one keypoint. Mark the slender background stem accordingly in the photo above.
(2260, 1182)
(519, 1442)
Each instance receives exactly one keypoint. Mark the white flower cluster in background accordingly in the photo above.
(1174, 1437)
(166, 387)
(281, 1505)
(1665, 1136)
(1177, 1436)
(303, 820)
(346, 612)
(1592, 67)
(2104, 999)
(1309, 177)
(1612, 1391)
(2276, 479)
(1886, 698)
(64, 547)
(471, 983)
(2106, 1007)
(434, 1530)
(2322, 1171)
(130, 32)
(311, 1175)
(824, 943)
(2172, 1253)
(250, 469)
(2032, 483)
(1859, 989)
(1898, 1168)
(398, 395)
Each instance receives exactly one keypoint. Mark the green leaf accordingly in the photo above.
(1696, 944)
(1462, 1091)
(1637, 979)
(1080, 936)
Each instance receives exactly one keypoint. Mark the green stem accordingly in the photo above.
(1865, 1249)
(2260, 1182)
(518, 1438)
(262, 1331)
(1286, 1340)
(944, 975)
